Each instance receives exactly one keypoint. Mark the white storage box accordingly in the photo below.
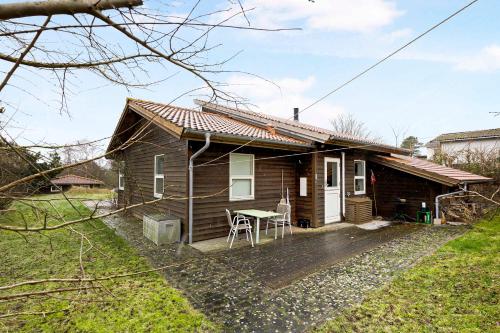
(161, 229)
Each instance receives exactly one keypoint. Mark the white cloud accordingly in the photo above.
(486, 60)
(397, 35)
(342, 15)
(282, 95)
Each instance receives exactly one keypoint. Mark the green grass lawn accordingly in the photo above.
(131, 304)
(454, 290)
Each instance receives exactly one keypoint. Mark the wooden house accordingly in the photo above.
(243, 159)
(66, 182)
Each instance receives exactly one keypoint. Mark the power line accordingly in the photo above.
(361, 73)
(390, 55)
(292, 155)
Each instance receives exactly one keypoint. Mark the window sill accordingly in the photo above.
(121, 188)
(242, 198)
(158, 195)
(359, 192)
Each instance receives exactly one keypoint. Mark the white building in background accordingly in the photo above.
(460, 145)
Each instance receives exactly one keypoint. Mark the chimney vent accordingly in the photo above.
(296, 114)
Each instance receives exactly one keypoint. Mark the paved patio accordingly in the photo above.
(286, 260)
(292, 284)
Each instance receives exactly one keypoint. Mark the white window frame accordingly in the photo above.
(121, 175)
(251, 178)
(156, 176)
(360, 177)
(55, 189)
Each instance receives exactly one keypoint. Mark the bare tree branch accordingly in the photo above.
(53, 7)
(23, 54)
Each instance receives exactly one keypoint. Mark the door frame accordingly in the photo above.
(338, 187)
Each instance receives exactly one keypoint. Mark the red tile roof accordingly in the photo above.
(296, 127)
(75, 180)
(429, 170)
(210, 122)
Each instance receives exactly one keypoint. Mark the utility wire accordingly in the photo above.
(360, 73)
(389, 55)
(291, 155)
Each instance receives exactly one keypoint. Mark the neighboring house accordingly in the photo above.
(458, 147)
(64, 183)
(249, 156)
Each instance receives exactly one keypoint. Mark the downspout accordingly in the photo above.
(439, 197)
(190, 204)
(343, 183)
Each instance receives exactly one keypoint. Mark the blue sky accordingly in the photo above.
(448, 81)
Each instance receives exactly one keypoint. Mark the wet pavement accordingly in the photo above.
(294, 257)
(289, 285)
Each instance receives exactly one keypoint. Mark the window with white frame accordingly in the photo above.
(121, 175)
(359, 177)
(159, 176)
(55, 188)
(241, 177)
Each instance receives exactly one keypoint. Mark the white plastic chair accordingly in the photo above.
(283, 220)
(238, 223)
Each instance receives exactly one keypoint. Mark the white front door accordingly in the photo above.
(332, 189)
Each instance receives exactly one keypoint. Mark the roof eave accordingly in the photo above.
(445, 180)
(415, 171)
(171, 128)
(369, 146)
(241, 139)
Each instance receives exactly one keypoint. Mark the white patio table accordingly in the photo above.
(258, 214)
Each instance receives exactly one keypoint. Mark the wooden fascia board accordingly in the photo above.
(416, 172)
(367, 146)
(111, 141)
(166, 125)
(227, 139)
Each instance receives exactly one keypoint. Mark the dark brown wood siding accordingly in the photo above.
(392, 184)
(139, 173)
(304, 208)
(211, 186)
(350, 156)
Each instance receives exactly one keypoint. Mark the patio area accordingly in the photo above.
(290, 284)
(284, 261)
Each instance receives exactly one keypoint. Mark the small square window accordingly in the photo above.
(121, 175)
(241, 177)
(159, 176)
(359, 177)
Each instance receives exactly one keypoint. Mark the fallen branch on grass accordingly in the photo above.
(79, 280)
(45, 292)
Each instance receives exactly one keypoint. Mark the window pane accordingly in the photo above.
(120, 181)
(241, 188)
(241, 165)
(359, 185)
(335, 178)
(331, 174)
(329, 179)
(359, 169)
(158, 185)
(159, 164)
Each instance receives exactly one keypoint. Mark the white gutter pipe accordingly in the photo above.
(191, 159)
(439, 197)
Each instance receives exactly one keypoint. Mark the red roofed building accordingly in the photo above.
(247, 160)
(63, 183)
